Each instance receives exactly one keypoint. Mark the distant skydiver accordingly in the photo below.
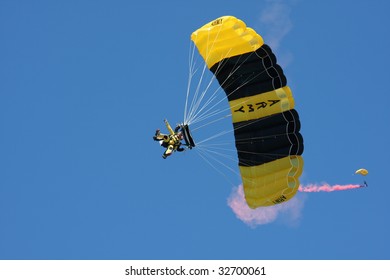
(363, 172)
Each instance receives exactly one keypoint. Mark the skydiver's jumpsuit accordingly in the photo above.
(171, 142)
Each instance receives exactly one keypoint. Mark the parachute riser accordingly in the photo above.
(189, 141)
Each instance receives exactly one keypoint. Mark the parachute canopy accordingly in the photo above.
(266, 125)
(362, 171)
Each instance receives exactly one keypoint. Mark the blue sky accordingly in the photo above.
(84, 85)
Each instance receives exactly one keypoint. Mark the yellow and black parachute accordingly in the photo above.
(266, 125)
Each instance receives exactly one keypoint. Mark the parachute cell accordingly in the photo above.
(266, 125)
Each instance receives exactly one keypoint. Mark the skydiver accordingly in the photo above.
(171, 141)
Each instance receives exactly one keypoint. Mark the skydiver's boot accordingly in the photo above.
(168, 152)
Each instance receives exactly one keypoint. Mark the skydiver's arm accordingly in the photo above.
(177, 128)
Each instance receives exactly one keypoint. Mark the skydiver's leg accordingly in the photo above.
(177, 128)
(168, 151)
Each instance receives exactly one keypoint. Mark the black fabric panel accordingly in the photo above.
(267, 139)
(249, 74)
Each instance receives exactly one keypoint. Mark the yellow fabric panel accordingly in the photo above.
(362, 171)
(261, 105)
(271, 183)
(225, 37)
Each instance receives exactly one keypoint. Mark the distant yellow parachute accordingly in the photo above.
(362, 171)
(266, 125)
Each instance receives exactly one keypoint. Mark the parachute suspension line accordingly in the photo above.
(249, 79)
(251, 139)
(197, 114)
(192, 73)
(200, 111)
(211, 122)
(222, 152)
(242, 125)
(197, 117)
(212, 114)
(214, 167)
(196, 99)
(191, 67)
(219, 145)
(214, 136)
(210, 157)
(244, 83)
(222, 133)
(202, 114)
(199, 99)
(207, 114)
(206, 111)
(213, 95)
(192, 116)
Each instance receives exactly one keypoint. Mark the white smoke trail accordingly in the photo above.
(276, 21)
(291, 210)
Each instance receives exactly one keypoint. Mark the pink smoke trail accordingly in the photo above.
(327, 188)
(291, 210)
